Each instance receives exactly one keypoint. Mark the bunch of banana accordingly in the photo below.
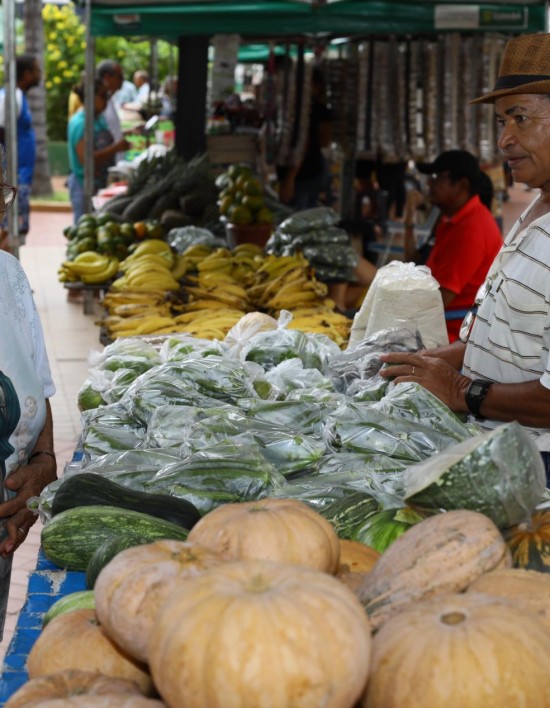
(217, 260)
(208, 323)
(113, 299)
(140, 324)
(322, 320)
(148, 271)
(296, 293)
(229, 294)
(194, 254)
(151, 245)
(90, 268)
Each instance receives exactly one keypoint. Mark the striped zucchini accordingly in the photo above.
(70, 538)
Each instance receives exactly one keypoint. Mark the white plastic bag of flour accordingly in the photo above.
(402, 295)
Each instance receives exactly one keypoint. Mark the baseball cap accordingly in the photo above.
(458, 163)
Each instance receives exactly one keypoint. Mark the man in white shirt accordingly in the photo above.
(499, 371)
(141, 82)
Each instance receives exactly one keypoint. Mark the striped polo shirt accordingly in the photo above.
(510, 339)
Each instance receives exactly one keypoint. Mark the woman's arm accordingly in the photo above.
(28, 481)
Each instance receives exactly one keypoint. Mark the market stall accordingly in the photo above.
(349, 457)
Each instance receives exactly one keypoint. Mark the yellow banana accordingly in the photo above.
(179, 267)
(151, 245)
(197, 250)
(151, 325)
(209, 264)
(93, 263)
(102, 276)
(165, 259)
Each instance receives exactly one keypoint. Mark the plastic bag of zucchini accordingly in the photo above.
(229, 471)
(499, 473)
(410, 424)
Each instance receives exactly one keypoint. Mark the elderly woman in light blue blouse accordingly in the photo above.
(27, 458)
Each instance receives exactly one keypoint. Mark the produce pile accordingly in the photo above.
(167, 188)
(211, 288)
(185, 441)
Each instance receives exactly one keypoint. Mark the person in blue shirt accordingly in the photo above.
(105, 147)
(28, 75)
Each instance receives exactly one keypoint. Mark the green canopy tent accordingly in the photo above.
(276, 18)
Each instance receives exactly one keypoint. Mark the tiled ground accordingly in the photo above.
(71, 336)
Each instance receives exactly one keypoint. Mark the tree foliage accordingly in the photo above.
(64, 60)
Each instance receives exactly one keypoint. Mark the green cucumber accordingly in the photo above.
(90, 489)
(82, 599)
(70, 538)
(106, 551)
(499, 474)
(350, 512)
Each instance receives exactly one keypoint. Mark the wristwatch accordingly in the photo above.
(475, 395)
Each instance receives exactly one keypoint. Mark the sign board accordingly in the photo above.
(474, 17)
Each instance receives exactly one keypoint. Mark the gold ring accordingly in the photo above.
(412, 373)
(20, 530)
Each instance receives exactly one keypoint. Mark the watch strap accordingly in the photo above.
(475, 395)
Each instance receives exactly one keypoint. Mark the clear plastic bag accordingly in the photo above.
(181, 238)
(290, 375)
(499, 473)
(362, 360)
(310, 220)
(402, 295)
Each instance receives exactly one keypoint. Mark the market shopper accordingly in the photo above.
(110, 73)
(499, 371)
(27, 458)
(27, 76)
(467, 237)
(105, 146)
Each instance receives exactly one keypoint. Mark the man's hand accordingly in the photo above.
(435, 374)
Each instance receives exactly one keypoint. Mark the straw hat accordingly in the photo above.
(525, 68)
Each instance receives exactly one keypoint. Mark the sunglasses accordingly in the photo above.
(468, 321)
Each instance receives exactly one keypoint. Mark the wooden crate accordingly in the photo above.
(230, 149)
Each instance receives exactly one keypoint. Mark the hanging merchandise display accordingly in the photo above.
(226, 50)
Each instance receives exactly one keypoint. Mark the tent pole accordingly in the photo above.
(190, 124)
(89, 111)
(11, 119)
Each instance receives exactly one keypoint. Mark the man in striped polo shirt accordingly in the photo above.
(499, 371)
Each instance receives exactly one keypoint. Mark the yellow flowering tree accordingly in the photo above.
(63, 63)
(64, 60)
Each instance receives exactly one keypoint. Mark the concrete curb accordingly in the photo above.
(50, 206)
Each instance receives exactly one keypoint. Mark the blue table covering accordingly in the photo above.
(47, 584)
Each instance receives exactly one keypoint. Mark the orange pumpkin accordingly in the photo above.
(356, 557)
(526, 588)
(529, 542)
(130, 589)
(75, 640)
(76, 687)
(443, 553)
(470, 650)
(283, 530)
(257, 633)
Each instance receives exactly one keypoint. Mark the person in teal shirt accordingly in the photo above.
(105, 148)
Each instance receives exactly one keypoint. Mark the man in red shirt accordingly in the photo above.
(467, 237)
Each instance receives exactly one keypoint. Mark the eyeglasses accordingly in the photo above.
(468, 321)
(7, 196)
(439, 177)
